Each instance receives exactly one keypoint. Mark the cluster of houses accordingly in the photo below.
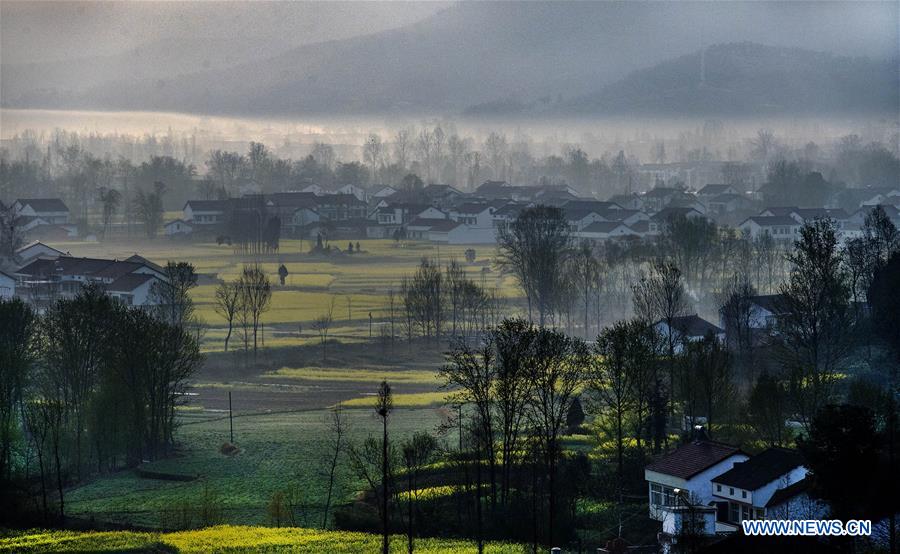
(444, 214)
(713, 487)
(40, 274)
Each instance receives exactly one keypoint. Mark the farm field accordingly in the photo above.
(233, 539)
(359, 283)
(283, 452)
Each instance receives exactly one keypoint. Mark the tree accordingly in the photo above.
(337, 429)
(11, 233)
(473, 372)
(660, 296)
(710, 367)
(373, 153)
(110, 198)
(842, 453)
(585, 275)
(384, 405)
(417, 452)
(322, 324)
(611, 382)
(149, 208)
(228, 304)
(736, 313)
(885, 303)
(557, 369)
(18, 326)
(535, 248)
(172, 296)
(256, 295)
(815, 330)
(767, 408)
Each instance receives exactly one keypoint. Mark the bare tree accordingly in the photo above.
(322, 324)
(337, 429)
(228, 305)
(384, 405)
(256, 296)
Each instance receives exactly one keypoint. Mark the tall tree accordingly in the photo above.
(815, 330)
(535, 248)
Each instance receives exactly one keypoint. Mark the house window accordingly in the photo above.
(743, 494)
(660, 495)
(731, 491)
(718, 488)
(734, 512)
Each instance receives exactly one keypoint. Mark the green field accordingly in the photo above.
(279, 452)
(233, 539)
(363, 280)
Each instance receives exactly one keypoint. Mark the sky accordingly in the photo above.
(38, 31)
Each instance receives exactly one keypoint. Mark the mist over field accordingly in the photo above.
(455, 276)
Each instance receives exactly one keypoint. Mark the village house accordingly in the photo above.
(683, 478)
(689, 328)
(37, 250)
(205, 213)
(604, 230)
(177, 228)
(779, 227)
(744, 491)
(660, 221)
(44, 280)
(53, 211)
(473, 214)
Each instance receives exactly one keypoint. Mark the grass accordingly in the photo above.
(279, 451)
(234, 539)
(312, 282)
(409, 400)
(426, 377)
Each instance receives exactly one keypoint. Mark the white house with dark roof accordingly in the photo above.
(661, 219)
(604, 230)
(37, 250)
(779, 227)
(205, 212)
(52, 210)
(473, 214)
(744, 491)
(713, 190)
(685, 475)
(689, 328)
(177, 227)
(794, 502)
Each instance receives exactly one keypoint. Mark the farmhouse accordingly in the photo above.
(37, 250)
(178, 227)
(689, 328)
(205, 212)
(52, 210)
(779, 227)
(744, 491)
(685, 475)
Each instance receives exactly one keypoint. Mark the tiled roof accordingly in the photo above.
(129, 282)
(768, 302)
(603, 227)
(783, 495)
(692, 458)
(714, 189)
(207, 205)
(761, 469)
(695, 326)
(44, 204)
(772, 220)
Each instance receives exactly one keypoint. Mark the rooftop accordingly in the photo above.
(44, 204)
(765, 467)
(690, 459)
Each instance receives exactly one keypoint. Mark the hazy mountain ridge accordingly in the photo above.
(499, 57)
(747, 78)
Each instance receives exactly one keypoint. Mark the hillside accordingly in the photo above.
(750, 79)
(232, 539)
(467, 55)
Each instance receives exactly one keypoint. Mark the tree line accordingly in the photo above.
(89, 386)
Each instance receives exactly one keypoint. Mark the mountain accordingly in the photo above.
(491, 54)
(750, 79)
